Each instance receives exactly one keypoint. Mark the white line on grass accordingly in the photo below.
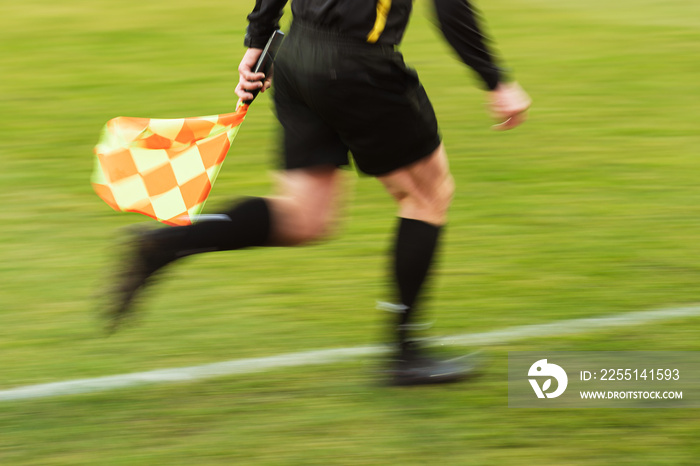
(325, 356)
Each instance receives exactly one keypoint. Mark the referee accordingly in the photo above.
(342, 87)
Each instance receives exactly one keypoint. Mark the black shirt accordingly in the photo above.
(382, 22)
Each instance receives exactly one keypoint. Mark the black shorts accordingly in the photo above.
(335, 95)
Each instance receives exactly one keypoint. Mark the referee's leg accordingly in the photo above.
(423, 191)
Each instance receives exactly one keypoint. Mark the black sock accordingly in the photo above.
(248, 225)
(416, 242)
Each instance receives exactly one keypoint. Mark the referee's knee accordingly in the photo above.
(438, 205)
(301, 228)
(430, 205)
(445, 194)
(311, 231)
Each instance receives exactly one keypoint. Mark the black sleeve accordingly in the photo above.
(460, 26)
(263, 21)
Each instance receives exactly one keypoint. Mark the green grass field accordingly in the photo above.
(591, 209)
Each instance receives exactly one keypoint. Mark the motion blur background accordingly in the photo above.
(590, 209)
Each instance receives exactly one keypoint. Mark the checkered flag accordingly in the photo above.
(165, 168)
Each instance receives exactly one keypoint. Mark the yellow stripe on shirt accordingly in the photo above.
(383, 7)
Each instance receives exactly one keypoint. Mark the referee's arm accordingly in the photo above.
(262, 22)
(459, 23)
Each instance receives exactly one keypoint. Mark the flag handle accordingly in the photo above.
(264, 64)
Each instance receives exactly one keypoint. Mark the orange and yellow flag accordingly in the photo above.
(163, 168)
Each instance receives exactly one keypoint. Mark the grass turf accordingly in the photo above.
(590, 209)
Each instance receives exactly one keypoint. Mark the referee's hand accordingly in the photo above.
(248, 80)
(509, 104)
